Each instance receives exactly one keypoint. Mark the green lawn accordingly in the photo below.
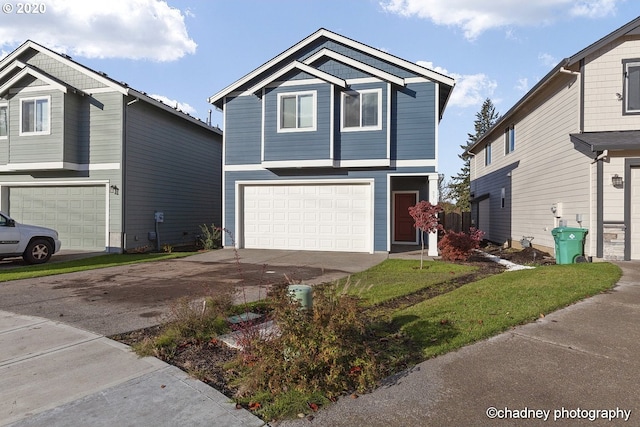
(100, 261)
(397, 277)
(485, 308)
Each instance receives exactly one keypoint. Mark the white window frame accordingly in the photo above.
(35, 99)
(360, 128)
(5, 105)
(314, 113)
(510, 139)
(626, 96)
(487, 155)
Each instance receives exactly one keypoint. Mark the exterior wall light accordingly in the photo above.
(616, 181)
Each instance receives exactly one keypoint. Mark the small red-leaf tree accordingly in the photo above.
(425, 217)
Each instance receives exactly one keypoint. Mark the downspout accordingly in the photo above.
(123, 158)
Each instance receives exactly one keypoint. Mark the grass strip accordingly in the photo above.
(100, 261)
(485, 308)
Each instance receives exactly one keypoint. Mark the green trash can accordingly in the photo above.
(569, 244)
(302, 294)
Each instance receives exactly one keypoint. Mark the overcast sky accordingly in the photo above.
(184, 51)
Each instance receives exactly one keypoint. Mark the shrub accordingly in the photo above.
(211, 238)
(319, 352)
(188, 321)
(459, 246)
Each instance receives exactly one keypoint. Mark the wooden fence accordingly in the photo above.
(455, 221)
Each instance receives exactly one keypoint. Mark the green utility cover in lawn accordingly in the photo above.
(569, 243)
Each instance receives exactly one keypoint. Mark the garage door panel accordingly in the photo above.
(78, 213)
(329, 217)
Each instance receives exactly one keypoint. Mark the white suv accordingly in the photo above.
(34, 244)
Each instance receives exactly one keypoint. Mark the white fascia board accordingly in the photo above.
(363, 163)
(415, 163)
(38, 75)
(312, 181)
(302, 67)
(382, 75)
(297, 164)
(10, 167)
(84, 70)
(9, 69)
(431, 75)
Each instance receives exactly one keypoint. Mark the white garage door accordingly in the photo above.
(331, 217)
(76, 212)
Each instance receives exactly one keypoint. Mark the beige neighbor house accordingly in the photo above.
(568, 153)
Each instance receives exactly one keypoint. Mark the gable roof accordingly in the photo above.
(564, 66)
(11, 61)
(282, 60)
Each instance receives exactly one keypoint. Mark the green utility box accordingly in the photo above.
(569, 244)
(303, 294)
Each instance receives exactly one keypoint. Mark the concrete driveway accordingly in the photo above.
(120, 299)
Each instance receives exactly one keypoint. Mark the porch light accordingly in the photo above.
(114, 189)
(616, 181)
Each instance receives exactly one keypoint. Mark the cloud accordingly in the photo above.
(475, 17)
(132, 29)
(185, 108)
(547, 60)
(471, 89)
(523, 85)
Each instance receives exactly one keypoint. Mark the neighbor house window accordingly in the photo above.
(487, 155)
(362, 110)
(631, 96)
(4, 121)
(502, 197)
(34, 116)
(297, 111)
(509, 139)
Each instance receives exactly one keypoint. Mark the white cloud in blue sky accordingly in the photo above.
(475, 17)
(132, 29)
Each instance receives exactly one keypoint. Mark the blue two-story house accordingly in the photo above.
(326, 146)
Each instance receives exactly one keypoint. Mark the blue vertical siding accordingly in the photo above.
(365, 144)
(414, 117)
(243, 120)
(303, 145)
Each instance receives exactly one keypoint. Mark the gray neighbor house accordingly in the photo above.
(327, 145)
(568, 153)
(96, 160)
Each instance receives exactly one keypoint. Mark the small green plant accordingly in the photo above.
(167, 248)
(211, 237)
(323, 351)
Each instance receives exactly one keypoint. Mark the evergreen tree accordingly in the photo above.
(460, 186)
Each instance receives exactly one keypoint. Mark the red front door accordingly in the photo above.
(403, 229)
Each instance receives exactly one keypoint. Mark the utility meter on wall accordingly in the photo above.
(159, 216)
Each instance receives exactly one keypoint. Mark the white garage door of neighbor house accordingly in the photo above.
(76, 212)
(328, 217)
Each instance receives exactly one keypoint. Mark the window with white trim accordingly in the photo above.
(297, 111)
(4, 121)
(487, 155)
(362, 110)
(631, 96)
(34, 116)
(509, 139)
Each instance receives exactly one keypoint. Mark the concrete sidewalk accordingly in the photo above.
(570, 363)
(52, 374)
